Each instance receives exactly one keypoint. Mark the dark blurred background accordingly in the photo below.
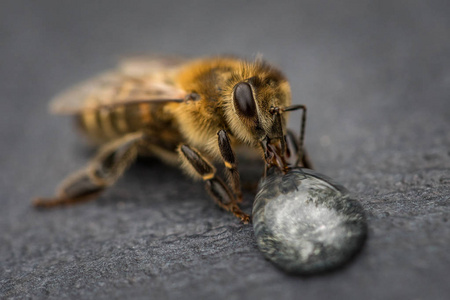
(375, 76)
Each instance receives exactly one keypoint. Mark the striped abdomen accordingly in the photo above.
(108, 123)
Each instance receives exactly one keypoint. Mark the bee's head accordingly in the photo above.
(258, 101)
(253, 99)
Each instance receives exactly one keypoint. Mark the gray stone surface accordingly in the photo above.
(375, 76)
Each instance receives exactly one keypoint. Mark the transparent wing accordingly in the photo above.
(149, 64)
(137, 79)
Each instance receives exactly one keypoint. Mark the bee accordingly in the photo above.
(188, 113)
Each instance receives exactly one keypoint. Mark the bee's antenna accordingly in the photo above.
(302, 129)
(277, 128)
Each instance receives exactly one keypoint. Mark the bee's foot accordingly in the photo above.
(245, 218)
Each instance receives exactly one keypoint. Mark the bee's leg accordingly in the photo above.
(230, 162)
(292, 152)
(103, 170)
(306, 160)
(198, 166)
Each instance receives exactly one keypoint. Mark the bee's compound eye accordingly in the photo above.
(243, 100)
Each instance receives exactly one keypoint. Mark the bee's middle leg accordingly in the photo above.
(230, 162)
(199, 166)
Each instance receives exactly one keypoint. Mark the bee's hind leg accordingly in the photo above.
(103, 170)
(198, 166)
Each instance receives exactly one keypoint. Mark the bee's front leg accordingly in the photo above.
(104, 169)
(292, 152)
(199, 166)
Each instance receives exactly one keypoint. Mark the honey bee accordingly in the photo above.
(185, 112)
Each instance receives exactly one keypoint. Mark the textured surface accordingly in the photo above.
(376, 80)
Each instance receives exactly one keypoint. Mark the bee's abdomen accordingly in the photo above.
(108, 123)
